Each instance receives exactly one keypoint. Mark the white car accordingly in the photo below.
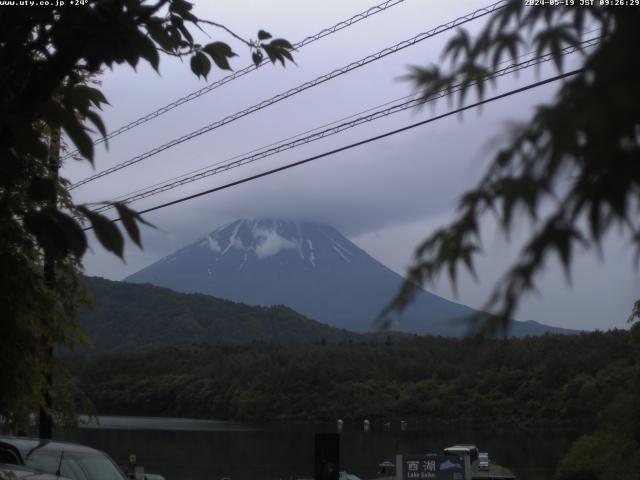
(19, 472)
(62, 459)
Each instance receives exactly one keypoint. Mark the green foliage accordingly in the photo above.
(140, 317)
(612, 451)
(34, 312)
(219, 52)
(44, 57)
(578, 155)
(47, 59)
(607, 454)
(515, 383)
(591, 455)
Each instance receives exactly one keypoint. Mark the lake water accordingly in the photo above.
(190, 449)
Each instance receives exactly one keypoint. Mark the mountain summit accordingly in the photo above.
(309, 267)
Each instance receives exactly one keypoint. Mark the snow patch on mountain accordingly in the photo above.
(244, 260)
(312, 256)
(234, 240)
(344, 257)
(341, 250)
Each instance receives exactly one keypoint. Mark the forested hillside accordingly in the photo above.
(515, 381)
(138, 317)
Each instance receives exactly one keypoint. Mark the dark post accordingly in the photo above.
(45, 420)
(327, 465)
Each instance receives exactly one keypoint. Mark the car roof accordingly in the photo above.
(25, 445)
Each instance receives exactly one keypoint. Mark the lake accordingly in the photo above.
(191, 449)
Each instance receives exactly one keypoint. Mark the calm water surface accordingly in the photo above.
(190, 449)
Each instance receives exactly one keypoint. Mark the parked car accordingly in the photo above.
(10, 454)
(19, 472)
(77, 462)
(483, 461)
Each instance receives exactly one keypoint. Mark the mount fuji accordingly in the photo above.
(311, 268)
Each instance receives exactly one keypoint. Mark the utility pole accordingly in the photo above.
(45, 420)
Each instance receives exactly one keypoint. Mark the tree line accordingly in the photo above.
(552, 378)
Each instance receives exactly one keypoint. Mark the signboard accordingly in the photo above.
(430, 467)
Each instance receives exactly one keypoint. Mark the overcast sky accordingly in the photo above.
(385, 196)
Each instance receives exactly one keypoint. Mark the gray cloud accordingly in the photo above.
(386, 195)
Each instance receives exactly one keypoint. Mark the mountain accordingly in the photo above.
(132, 317)
(311, 268)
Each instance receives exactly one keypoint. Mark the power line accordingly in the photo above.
(256, 150)
(357, 144)
(239, 73)
(305, 86)
(278, 147)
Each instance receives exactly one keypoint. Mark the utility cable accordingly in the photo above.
(567, 50)
(260, 149)
(239, 73)
(305, 86)
(259, 154)
(358, 144)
